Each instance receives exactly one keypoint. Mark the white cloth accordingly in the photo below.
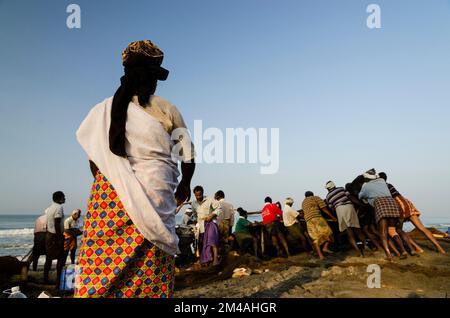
(289, 216)
(146, 180)
(202, 209)
(41, 224)
(370, 176)
(172, 121)
(70, 223)
(347, 217)
(224, 211)
(330, 185)
(54, 211)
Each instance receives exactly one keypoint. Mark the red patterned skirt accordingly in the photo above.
(115, 260)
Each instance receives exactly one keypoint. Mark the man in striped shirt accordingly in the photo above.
(338, 200)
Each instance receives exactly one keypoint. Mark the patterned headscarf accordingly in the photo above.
(142, 65)
(144, 48)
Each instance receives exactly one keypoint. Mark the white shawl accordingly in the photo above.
(147, 179)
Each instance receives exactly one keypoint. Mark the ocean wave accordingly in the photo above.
(16, 232)
(13, 246)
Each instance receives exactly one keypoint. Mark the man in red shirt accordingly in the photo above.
(271, 215)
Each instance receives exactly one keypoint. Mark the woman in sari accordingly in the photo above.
(133, 141)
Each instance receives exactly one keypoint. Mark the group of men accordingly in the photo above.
(55, 237)
(369, 211)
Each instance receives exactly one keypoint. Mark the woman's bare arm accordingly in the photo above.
(183, 192)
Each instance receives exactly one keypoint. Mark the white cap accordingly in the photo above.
(289, 201)
(330, 185)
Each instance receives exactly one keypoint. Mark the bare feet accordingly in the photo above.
(389, 257)
(216, 263)
(413, 253)
(326, 250)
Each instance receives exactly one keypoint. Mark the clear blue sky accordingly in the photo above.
(346, 98)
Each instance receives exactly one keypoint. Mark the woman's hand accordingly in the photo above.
(183, 192)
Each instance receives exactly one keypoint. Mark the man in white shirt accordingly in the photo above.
(225, 215)
(54, 240)
(203, 207)
(293, 226)
(71, 232)
(40, 232)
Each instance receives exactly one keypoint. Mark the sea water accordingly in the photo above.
(17, 231)
(17, 234)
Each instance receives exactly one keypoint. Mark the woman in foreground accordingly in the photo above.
(129, 238)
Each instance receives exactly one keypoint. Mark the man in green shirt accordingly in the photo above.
(242, 233)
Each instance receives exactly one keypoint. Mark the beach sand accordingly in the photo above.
(303, 275)
(339, 275)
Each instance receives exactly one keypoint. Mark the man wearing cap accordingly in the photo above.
(338, 200)
(292, 225)
(71, 232)
(188, 217)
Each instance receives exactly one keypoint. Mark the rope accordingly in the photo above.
(27, 256)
